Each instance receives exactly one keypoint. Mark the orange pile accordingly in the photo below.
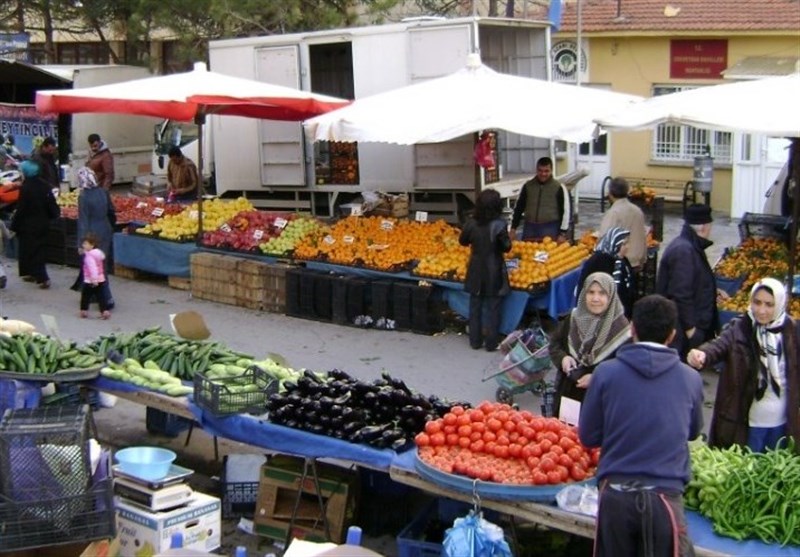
(450, 262)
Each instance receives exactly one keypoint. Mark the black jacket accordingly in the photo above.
(486, 271)
(36, 207)
(685, 277)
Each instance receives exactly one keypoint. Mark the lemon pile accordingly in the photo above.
(184, 225)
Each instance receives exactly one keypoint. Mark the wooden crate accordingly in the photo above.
(214, 276)
(180, 283)
(262, 286)
(130, 273)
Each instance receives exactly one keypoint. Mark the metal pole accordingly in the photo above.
(200, 120)
(578, 49)
(794, 176)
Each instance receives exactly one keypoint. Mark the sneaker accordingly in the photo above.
(84, 314)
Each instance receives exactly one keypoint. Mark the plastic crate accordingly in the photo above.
(292, 294)
(381, 299)
(217, 394)
(48, 495)
(432, 522)
(427, 315)
(402, 302)
(339, 301)
(163, 423)
(323, 292)
(18, 394)
(239, 497)
(70, 394)
(758, 225)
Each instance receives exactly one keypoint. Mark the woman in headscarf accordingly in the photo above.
(589, 335)
(31, 221)
(610, 257)
(96, 215)
(758, 392)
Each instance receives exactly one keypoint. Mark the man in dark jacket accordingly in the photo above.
(545, 204)
(101, 161)
(46, 156)
(642, 409)
(685, 277)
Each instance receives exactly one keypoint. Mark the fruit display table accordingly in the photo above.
(152, 255)
(556, 300)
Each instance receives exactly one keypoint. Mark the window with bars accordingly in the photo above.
(677, 143)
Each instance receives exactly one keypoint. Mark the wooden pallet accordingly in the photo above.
(180, 283)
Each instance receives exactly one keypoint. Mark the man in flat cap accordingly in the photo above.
(685, 276)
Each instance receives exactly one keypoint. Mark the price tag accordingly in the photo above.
(387, 225)
(348, 239)
(280, 222)
(193, 214)
(541, 256)
(329, 240)
(356, 211)
(158, 211)
(258, 234)
(141, 205)
(224, 227)
(512, 264)
(421, 216)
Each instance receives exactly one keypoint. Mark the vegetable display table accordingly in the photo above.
(161, 257)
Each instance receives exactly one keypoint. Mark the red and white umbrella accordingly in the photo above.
(191, 96)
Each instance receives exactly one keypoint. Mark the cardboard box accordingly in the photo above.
(142, 532)
(281, 485)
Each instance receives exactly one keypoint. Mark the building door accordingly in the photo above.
(594, 157)
(757, 161)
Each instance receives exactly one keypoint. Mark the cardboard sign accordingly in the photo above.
(421, 216)
(258, 234)
(348, 239)
(224, 227)
(387, 225)
(158, 211)
(330, 240)
(189, 325)
(541, 256)
(280, 222)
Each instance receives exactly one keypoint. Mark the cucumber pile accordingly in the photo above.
(44, 355)
(179, 357)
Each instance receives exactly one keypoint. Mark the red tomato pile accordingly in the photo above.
(496, 443)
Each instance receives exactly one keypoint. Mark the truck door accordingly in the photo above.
(281, 143)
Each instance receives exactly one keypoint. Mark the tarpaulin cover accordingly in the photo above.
(153, 255)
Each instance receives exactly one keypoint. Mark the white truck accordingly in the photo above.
(130, 138)
(276, 167)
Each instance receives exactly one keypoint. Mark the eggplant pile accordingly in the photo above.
(384, 413)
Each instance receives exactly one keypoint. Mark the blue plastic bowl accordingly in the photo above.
(147, 463)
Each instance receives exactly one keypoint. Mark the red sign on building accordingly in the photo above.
(698, 59)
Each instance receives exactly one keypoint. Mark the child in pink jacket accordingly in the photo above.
(93, 277)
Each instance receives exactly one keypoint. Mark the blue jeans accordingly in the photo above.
(760, 439)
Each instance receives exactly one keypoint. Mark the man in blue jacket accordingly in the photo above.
(642, 409)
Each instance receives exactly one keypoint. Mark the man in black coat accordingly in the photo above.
(685, 276)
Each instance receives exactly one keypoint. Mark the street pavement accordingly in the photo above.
(442, 364)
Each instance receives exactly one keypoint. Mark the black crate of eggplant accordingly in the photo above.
(225, 389)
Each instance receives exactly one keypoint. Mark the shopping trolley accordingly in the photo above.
(525, 363)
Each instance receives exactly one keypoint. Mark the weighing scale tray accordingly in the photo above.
(175, 474)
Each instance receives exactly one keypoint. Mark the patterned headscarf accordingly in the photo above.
(592, 338)
(610, 243)
(771, 357)
(86, 178)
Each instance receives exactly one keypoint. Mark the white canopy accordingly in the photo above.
(472, 99)
(768, 106)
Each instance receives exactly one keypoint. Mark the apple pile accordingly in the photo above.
(247, 230)
(295, 230)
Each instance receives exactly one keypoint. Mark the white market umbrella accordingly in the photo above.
(191, 96)
(472, 99)
(768, 106)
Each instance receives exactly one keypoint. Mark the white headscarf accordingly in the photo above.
(768, 337)
(86, 178)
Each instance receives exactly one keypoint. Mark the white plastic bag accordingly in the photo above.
(578, 499)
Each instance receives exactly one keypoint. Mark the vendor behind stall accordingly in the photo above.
(182, 177)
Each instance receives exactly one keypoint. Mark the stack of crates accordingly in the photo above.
(48, 495)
